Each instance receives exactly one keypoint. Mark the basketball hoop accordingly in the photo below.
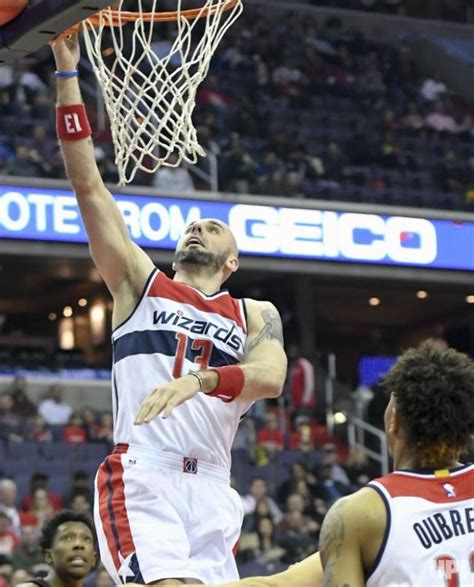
(149, 88)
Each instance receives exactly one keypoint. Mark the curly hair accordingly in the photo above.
(50, 528)
(434, 395)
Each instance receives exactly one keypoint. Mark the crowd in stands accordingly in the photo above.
(447, 10)
(286, 467)
(291, 107)
(51, 420)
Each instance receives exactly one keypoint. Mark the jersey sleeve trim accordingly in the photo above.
(380, 490)
(148, 283)
(243, 311)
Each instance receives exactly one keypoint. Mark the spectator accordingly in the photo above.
(39, 430)
(303, 438)
(271, 437)
(260, 544)
(89, 422)
(81, 485)
(28, 555)
(258, 491)
(80, 504)
(11, 424)
(45, 147)
(53, 409)
(296, 540)
(268, 550)
(41, 509)
(433, 88)
(74, 432)
(102, 579)
(331, 458)
(326, 488)
(299, 472)
(6, 571)
(8, 497)
(18, 577)
(448, 175)
(246, 436)
(8, 539)
(19, 95)
(175, 178)
(104, 431)
(22, 405)
(300, 383)
(358, 469)
(413, 119)
(40, 480)
(27, 163)
(439, 120)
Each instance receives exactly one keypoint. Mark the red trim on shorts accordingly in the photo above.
(103, 493)
(235, 548)
(224, 304)
(120, 449)
(432, 489)
(122, 524)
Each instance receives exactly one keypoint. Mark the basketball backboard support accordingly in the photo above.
(40, 22)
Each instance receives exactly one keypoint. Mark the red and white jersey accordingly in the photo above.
(176, 329)
(429, 539)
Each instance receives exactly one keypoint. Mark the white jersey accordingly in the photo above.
(429, 539)
(176, 329)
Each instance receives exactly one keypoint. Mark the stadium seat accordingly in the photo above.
(92, 452)
(58, 451)
(52, 468)
(22, 450)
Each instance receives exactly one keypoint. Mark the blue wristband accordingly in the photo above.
(66, 73)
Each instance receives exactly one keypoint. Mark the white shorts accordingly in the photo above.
(160, 516)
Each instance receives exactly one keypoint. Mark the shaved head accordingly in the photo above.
(208, 243)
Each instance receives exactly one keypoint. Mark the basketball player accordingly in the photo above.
(68, 544)
(188, 361)
(415, 526)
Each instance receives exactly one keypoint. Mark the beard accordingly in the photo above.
(199, 258)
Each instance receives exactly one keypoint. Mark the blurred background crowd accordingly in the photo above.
(299, 106)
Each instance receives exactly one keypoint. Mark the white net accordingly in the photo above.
(149, 72)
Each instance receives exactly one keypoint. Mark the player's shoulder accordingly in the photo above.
(364, 509)
(258, 306)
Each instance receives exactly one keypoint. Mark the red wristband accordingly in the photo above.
(231, 383)
(72, 123)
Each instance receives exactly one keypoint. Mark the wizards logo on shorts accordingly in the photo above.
(190, 465)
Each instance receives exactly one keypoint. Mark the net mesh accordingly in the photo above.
(149, 72)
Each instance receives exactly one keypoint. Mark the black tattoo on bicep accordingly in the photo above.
(272, 329)
(330, 542)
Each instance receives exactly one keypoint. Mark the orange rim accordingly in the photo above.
(119, 18)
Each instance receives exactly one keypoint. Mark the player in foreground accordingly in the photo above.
(68, 544)
(188, 361)
(414, 526)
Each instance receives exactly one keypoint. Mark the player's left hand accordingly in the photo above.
(162, 400)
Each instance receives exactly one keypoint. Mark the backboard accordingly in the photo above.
(40, 22)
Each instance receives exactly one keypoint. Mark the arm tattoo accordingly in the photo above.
(272, 328)
(331, 540)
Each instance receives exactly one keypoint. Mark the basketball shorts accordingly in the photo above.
(161, 516)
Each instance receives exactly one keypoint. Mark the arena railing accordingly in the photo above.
(357, 431)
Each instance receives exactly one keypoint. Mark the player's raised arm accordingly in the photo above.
(120, 262)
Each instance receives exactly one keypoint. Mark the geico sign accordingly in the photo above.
(322, 234)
